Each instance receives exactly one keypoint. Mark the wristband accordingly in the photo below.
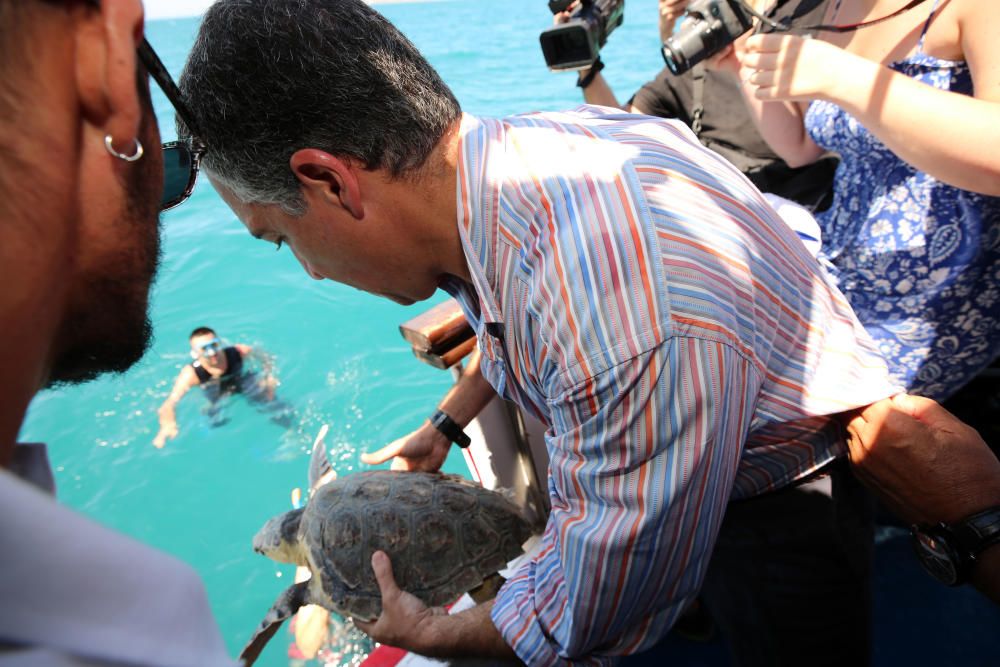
(451, 430)
(588, 78)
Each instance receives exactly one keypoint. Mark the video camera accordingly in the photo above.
(713, 24)
(576, 43)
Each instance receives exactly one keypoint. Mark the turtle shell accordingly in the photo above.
(443, 534)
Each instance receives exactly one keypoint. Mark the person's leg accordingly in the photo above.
(789, 582)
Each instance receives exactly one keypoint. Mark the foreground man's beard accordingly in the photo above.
(107, 328)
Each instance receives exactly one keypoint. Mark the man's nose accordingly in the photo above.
(307, 267)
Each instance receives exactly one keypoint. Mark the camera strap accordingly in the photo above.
(698, 98)
(823, 27)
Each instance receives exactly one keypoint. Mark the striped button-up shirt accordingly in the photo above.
(635, 291)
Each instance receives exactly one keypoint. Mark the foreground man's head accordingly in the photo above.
(79, 241)
(322, 124)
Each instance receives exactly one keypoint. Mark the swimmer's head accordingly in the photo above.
(205, 345)
(279, 538)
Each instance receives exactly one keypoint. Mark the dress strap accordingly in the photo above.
(927, 24)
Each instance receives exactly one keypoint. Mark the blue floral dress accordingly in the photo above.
(918, 260)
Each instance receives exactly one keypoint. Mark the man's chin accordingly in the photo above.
(85, 358)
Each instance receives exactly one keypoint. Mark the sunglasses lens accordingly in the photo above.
(177, 175)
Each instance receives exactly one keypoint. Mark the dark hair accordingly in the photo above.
(202, 331)
(269, 77)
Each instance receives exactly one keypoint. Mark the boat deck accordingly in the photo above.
(917, 621)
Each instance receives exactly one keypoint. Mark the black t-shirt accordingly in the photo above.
(728, 129)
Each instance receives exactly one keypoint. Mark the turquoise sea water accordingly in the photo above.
(339, 354)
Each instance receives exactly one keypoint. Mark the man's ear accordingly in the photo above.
(328, 178)
(106, 42)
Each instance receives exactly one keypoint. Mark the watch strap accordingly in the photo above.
(978, 531)
(450, 428)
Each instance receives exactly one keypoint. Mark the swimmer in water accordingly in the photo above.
(220, 371)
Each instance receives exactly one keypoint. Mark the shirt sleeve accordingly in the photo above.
(643, 458)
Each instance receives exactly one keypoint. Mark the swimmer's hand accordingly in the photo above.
(422, 450)
(167, 432)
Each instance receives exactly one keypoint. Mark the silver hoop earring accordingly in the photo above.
(109, 144)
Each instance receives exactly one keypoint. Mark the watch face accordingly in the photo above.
(936, 555)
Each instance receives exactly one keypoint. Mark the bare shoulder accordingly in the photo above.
(970, 17)
(187, 376)
(977, 25)
(243, 349)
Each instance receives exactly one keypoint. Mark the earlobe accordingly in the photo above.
(329, 179)
(106, 66)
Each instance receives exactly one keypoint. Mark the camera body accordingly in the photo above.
(577, 43)
(711, 26)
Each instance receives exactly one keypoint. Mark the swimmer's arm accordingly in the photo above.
(168, 418)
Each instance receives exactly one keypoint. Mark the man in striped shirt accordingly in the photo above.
(627, 285)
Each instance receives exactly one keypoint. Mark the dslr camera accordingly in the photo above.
(576, 43)
(711, 25)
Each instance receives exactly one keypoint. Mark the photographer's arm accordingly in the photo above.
(670, 11)
(599, 92)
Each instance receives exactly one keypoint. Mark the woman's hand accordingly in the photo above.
(793, 68)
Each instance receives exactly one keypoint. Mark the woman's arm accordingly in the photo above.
(781, 123)
(950, 136)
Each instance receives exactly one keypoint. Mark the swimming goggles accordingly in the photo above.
(180, 158)
(209, 349)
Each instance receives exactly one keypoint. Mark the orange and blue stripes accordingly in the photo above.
(635, 291)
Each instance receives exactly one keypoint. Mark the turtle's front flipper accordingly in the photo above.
(284, 607)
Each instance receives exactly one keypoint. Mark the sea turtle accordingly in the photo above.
(444, 535)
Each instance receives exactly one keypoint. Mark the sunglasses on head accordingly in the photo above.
(180, 158)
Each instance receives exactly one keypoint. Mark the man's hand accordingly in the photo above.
(405, 621)
(925, 464)
(423, 450)
(167, 432)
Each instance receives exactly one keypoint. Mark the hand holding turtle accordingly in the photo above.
(422, 450)
(405, 622)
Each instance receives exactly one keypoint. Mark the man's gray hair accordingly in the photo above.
(269, 77)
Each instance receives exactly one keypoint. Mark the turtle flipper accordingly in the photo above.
(284, 607)
(319, 463)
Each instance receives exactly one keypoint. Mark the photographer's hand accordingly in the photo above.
(670, 11)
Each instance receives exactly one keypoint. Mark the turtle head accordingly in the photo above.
(279, 538)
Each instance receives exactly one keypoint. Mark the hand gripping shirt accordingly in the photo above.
(635, 291)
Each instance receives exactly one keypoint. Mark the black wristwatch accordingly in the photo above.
(450, 429)
(948, 551)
